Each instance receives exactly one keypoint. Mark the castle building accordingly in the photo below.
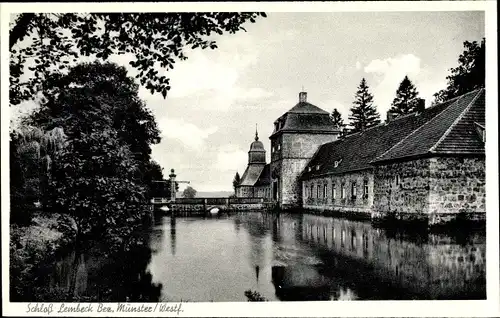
(297, 135)
(255, 180)
(427, 165)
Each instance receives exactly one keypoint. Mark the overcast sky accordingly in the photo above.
(218, 96)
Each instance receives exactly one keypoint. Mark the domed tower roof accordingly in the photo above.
(304, 118)
(257, 153)
(257, 145)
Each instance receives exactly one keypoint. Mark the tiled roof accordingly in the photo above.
(304, 117)
(265, 176)
(251, 175)
(305, 122)
(452, 131)
(356, 151)
(463, 137)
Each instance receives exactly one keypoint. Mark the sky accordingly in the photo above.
(218, 97)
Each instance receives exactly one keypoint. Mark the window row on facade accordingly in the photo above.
(321, 190)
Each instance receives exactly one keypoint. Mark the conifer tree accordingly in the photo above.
(406, 100)
(337, 120)
(364, 113)
(236, 181)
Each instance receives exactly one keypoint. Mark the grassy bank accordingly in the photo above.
(33, 244)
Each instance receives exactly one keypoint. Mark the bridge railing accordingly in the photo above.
(160, 200)
(219, 201)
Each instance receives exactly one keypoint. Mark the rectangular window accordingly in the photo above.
(342, 191)
(312, 191)
(334, 191)
(325, 189)
(365, 189)
(398, 179)
(353, 191)
(317, 191)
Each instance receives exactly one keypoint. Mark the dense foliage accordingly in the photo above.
(406, 100)
(189, 192)
(468, 75)
(103, 176)
(32, 152)
(155, 40)
(364, 113)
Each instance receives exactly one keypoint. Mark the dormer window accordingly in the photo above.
(336, 163)
(279, 147)
(309, 169)
(317, 167)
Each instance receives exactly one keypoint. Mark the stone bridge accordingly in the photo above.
(202, 206)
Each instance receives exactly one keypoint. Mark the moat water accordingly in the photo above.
(283, 257)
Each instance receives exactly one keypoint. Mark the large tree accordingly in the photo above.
(468, 75)
(103, 176)
(31, 155)
(337, 120)
(364, 113)
(406, 100)
(43, 42)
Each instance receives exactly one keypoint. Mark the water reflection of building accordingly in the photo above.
(377, 264)
(255, 225)
(434, 269)
(173, 235)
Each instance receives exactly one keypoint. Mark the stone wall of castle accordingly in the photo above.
(436, 189)
(291, 194)
(402, 188)
(245, 192)
(322, 199)
(291, 153)
(263, 192)
(457, 185)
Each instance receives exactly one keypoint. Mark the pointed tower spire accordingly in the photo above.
(256, 133)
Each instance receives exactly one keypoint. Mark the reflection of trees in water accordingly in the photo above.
(93, 275)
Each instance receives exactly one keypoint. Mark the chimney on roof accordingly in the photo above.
(302, 97)
(390, 116)
(420, 105)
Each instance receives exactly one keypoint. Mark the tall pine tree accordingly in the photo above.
(236, 181)
(406, 100)
(337, 120)
(363, 114)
